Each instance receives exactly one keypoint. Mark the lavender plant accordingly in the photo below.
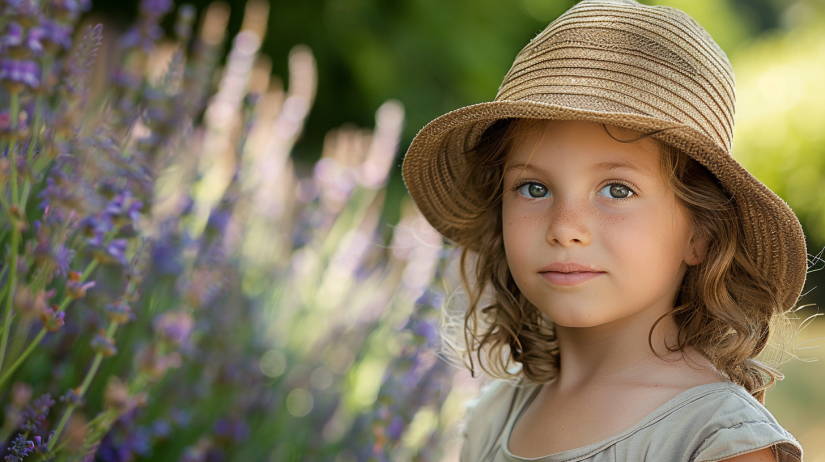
(174, 286)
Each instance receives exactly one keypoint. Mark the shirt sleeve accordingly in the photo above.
(747, 437)
(483, 418)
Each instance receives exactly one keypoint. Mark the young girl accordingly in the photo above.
(623, 270)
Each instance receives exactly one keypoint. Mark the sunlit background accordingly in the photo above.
(290, 291)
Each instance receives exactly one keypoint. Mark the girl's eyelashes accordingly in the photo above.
(620, 189)
(615, 190)
(531, 190)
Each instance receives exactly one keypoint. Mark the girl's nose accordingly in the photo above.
(567, 224)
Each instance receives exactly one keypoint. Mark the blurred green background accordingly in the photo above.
(438, 55)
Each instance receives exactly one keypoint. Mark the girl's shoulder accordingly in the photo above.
(488, 414)
(729, 421)
(713, 422)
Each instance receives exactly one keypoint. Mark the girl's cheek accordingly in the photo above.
(624, 232)
(643, 239)
(521, 222)
(519, 234)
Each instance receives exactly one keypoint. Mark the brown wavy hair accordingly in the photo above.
(725, 309)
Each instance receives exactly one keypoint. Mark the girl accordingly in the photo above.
(625, 270)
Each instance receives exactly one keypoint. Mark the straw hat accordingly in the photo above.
(618, 62)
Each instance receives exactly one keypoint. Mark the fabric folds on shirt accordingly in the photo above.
(706, 423)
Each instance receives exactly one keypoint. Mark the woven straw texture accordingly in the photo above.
(646, 68)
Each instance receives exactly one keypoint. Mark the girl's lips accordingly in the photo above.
(569, 279)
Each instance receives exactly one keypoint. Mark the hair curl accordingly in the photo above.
(725, 309)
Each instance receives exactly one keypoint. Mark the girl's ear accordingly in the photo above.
(697, 249)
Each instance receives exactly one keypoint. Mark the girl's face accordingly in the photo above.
(588, 199)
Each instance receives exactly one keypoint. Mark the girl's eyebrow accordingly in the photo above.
(595, 168)
(617, 165)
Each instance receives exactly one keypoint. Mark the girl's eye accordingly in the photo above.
(532, 190)
(618, 191)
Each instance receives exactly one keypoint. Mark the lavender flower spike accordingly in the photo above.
(16, 75)
(33, 40)
(69, 10)
(36, 413)
(155, 8)
(20, 448)
(56, 36)
(12, 36)
(175, 326)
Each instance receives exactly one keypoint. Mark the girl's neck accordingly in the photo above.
(618, 354)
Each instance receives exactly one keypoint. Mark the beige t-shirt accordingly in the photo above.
(707, 423)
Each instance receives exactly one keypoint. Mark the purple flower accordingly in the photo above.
(36, 413)
(123, 209)
(144, 38)
(103, 345)
(53, 320)
(395, 428)
(181, 417)
(20, 448)
(16, 74)
(124, 79)
(40, 445)
(33, 39)
(165, 260)
(56, 36)
(71, 397)
(125, 442)
(233, 430)
(62, 257)
(117, 249)
(119, 312)
(175, 326)
(64, 194)
(428, 331)
(12, 36)
(76, 289)
(218, 220)
(48, 254)
(26, 11)
(94, 228)
(155, 8)
(183, 24)
(70, 9)
(161, 428)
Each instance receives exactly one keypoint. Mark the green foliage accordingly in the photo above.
(780, 115)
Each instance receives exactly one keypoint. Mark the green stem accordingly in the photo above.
(35, 136)
(88, 271)
(100, 419)
(15, 232)
(4, 201)
(7, 374)
(83, 387)
(39, 164)
(12, 285)
(14, 111)
(21, 332)
(22, 357)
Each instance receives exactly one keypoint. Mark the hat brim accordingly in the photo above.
(434, 164)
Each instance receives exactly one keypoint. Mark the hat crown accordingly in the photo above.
(620, 56)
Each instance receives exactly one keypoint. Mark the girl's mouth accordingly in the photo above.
(569, 279)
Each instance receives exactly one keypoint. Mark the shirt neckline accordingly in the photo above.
(661, 411)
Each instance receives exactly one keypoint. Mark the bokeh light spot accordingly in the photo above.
(272, 363)
(321, 378)
(299, 402)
